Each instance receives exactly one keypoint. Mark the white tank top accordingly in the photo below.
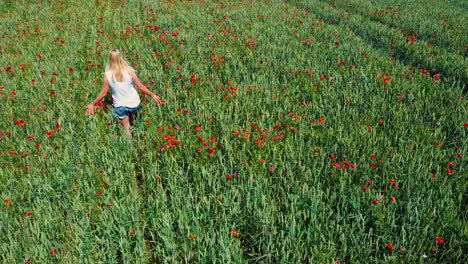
(123, 93)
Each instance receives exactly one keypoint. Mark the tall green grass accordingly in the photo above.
(326, 144)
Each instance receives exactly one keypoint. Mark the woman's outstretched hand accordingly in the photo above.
(90, 109)
(157, 100)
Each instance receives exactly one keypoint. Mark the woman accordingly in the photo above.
(122, 80)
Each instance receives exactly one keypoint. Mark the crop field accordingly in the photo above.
(291, 132)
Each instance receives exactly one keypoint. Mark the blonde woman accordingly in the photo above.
(121, 78)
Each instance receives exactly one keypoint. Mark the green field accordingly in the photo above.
(293, 132)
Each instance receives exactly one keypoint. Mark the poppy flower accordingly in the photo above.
(19, 122)
(234, 233)
(210, 151)
(7, 202)
(52, 251)
(389, 246)
(439, 240)
(7, 69)
(29, 213)
(71, 70)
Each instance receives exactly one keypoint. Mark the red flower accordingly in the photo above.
(337, 43)
(7, 202)
(234, 233)
(158, 179)
(392, 199)
(70, 70)
(424, 71)
(52, 251)
(450, 164)
(49, 133)
(191, 236)
(210, 151)
(389, 246)
(436, 77)
(28, 213)
(439, 240)
(7, 69)
(465, 125)
(19, 122)
(376, 202)
(449, 171)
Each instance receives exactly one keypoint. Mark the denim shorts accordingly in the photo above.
(123, 111)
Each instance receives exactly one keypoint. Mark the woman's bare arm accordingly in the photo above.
(99, 97)
(143, 88)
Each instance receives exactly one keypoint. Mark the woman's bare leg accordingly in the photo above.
(126, 126)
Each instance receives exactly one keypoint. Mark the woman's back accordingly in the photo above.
(123, 92)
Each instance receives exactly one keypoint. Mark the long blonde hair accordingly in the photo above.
(117, 65)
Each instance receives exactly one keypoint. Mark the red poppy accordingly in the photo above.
(70, 70)
(392, 199)
(439, 240)
(19, 122)
(52, 251)
(210, 151)
(7, 69)
(7, 202)
(28, 213)
(389, 246)
(376, 202)
(465, 125)
(234, 233)
(191, 236)
(424, 71)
